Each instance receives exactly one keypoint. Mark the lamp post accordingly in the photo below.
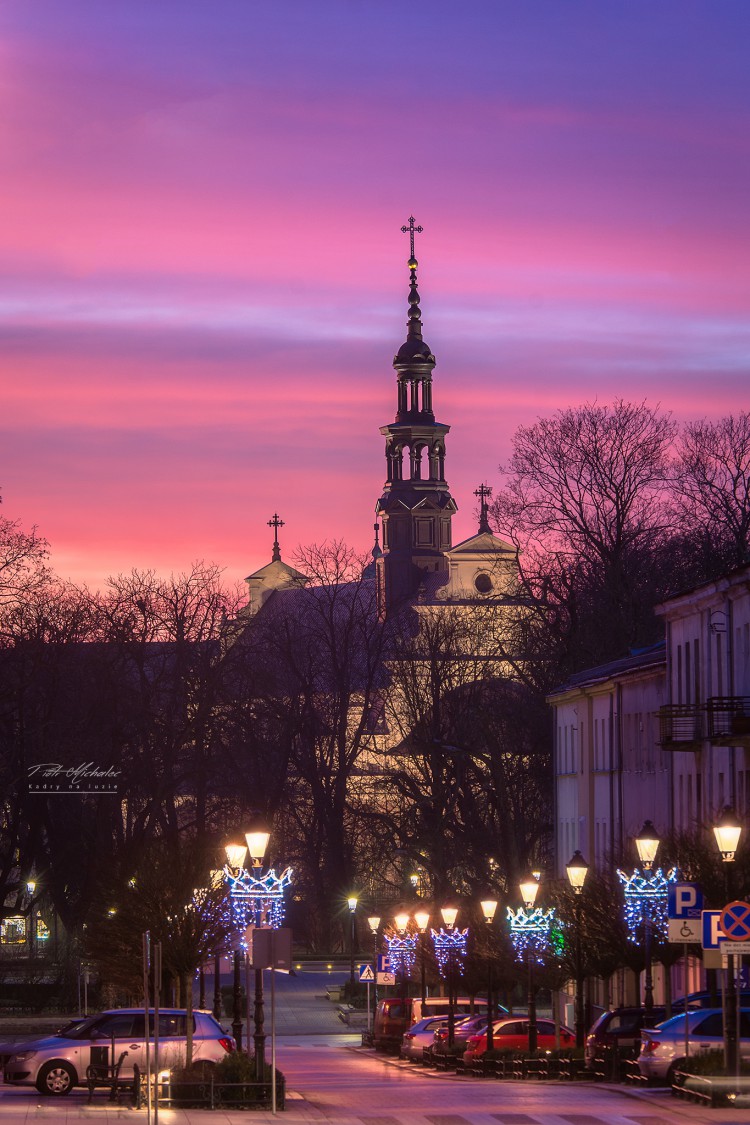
(577, 870)
(30, 888)
(257, 842)
(727, 833)
(422, 918)
(351, 902)
(647, 842)
(529, 890)
(450, 913)
(374, 922)
(235, 854)
(489, 906)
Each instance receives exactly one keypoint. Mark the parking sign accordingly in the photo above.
(684, 900)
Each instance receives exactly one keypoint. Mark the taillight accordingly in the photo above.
(408, 1035)
(474, 1039)
(648, 1046)
(228, 1045)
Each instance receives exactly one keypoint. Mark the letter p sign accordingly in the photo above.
(684, 900)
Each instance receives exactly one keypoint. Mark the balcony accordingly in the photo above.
(681, 726)
(729, 720)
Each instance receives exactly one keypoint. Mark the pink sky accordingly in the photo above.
(204, 281)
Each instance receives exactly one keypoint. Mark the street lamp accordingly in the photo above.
(30, 888)
(489, 906)
(727, 832)
(351, 902)
(374, 922)
(529, 890)
(257, 843)
(647, 842)
(235, 854)
(450, 913)
(422, 918)
(577, 871)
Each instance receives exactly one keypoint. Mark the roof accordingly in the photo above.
(639, 660)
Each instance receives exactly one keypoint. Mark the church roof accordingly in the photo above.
(483, 543)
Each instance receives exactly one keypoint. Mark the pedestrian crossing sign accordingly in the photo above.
(366, 975)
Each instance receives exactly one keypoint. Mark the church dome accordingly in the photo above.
(414, 349)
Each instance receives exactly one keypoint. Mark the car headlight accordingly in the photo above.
(25, 1055)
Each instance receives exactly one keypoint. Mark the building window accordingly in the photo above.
(483, 583)
(13, 930)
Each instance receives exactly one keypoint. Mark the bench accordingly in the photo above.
(352, 1017)
(335, 992)
(102, 1073)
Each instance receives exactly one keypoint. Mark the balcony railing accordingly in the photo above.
(729, 719)
(681, 726)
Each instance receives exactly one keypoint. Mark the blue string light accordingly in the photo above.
(530, 931)
(450, 950)
(646, 901)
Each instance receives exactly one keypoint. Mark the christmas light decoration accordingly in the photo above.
(402, 951)
(646, 901)
(257, 899)
(530, 931)
(450, 950)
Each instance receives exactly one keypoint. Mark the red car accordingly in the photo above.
(512, 1034)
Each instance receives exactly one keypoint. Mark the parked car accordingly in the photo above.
(419, 1036)
(395, 1015)
(620, 1027)
(464, 1027)
(57, 1063)
(663, 1047)
(512, 1034)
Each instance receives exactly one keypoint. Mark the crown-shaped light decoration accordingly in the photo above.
(450, 949)
(530, 931)
(646, 900)
(257, 900)
(402, 951)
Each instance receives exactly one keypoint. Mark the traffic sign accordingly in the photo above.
(711, 933)
(684, 900)
(735, 921)
(734, 947)
(386, 978)
(384, 963)
(366, 974)
(684, 929)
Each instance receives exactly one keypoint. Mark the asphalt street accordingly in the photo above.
(332, 1079)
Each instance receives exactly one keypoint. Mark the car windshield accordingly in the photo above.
(78, 1029)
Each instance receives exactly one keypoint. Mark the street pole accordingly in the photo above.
(489, 906)
(647, 842)
(236, 1004)
(259, 1036)
(352, 904)
(727, 833)
(450, 913)
(529, 890)
(217, 986)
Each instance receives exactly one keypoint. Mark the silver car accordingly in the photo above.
(663, 1047)
(57, 1063)
(420, 1035)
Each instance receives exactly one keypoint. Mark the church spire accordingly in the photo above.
(484, 492)
(276, 523)
(416, 506)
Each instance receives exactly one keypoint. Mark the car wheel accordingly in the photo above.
(672, 1072)
(56, 1079)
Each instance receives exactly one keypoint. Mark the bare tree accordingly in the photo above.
(585, 503)
(712, 491)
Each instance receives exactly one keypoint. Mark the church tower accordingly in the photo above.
(416, 507)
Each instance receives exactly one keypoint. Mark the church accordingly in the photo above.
(418, 561)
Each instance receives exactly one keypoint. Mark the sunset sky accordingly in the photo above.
(204, 280)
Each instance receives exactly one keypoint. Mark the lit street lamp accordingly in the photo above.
(235, 854)
(257, 842)
(450, 913)
(351, 902)
(374, 922)
(727, 833)
(30, 888)
(577, 871)
(422, 918)
(529, 890)
(489, 906)
(647, 842)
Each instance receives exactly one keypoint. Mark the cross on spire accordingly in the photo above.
(483, 492)
(276, 523)
(412, 230)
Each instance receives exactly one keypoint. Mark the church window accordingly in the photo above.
(483, 583)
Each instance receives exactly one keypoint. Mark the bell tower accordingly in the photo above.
(416, 507)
